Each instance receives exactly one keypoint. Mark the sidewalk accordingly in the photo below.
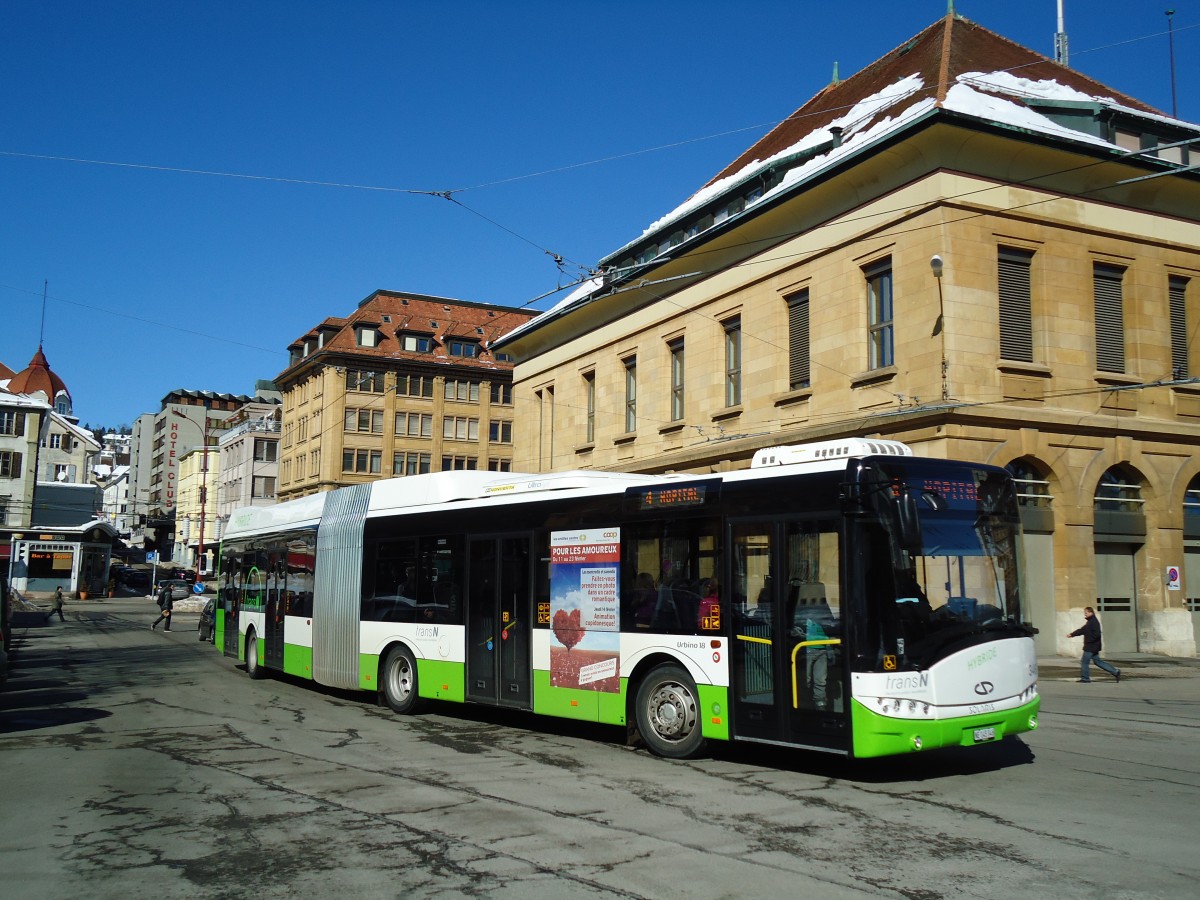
(1135, 665)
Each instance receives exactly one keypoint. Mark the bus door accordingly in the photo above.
(499, 607)
(788, 682)
(276, 607)
(228, 603)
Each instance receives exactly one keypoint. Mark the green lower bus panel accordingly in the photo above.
(436, 679)
(575, 703)
(441, 680)
(297, 661)
(368, 671)
(609, 709)
(714, 711)
(879, 735)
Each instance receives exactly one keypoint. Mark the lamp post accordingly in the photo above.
(937, 267)
(203, 484)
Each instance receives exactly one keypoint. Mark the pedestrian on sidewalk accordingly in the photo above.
(56, 606)
(166, 604)
(1091, 647)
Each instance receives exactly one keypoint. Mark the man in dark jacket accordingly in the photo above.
(1091, 647)
(166, 604)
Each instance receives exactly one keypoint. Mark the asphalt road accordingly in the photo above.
(138, 764)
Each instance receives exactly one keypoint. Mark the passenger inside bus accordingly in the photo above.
(642, 600)
(814, 622)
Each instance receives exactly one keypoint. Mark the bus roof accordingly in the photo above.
(434, 489)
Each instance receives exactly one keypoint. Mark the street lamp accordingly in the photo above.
(938, 267)
(203, 484)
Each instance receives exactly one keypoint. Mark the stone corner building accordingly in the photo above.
(406, 384)
(796, 297)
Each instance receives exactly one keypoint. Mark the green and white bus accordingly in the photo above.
(845, 596)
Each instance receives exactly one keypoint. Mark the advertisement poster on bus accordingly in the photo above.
(585, 616)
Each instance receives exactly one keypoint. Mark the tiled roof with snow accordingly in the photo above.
(954, 64)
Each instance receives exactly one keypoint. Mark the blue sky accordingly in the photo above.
(567, 127)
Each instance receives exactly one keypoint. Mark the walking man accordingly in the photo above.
(56, 606)
(1091, 647)
(166, 604)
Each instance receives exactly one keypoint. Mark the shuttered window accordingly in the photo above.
(631, 395)
(1177, 297)
(799, 375)
(733, 361)
(879, 309)
(676, 349)
(1016, 313)
(10, 464)
(1110, 317)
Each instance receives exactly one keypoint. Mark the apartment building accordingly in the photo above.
(406, 384)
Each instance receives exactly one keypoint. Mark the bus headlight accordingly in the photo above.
(916, 742)
(1033, 723)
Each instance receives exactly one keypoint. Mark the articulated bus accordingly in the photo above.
(845, 597)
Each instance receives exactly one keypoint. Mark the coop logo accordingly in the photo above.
(611, 535)
(984, 688)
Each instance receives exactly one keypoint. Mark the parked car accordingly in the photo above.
(207, 626)
(180, 588)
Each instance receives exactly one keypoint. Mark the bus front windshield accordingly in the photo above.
(954, 567)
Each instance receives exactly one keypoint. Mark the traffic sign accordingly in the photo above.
(198, 587)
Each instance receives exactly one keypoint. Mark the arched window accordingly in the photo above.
(1032, 488)
(1191, 508)
(1119, 490)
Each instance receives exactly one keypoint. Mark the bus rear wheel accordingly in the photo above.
(400, 681)
(668, 713)
(253, 669)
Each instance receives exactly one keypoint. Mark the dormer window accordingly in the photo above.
(468, 349)
(62, 404)
(415, 343)
(366, 336)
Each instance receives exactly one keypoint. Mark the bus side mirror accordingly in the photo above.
(908, 523)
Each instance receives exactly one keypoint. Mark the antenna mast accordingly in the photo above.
(42, 331)
(1060, 39)
(1171, 38)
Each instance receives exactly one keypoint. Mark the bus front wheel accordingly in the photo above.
(400, 681)
(253, 669)
(668, 713)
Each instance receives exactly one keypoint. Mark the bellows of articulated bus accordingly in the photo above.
(822, 451)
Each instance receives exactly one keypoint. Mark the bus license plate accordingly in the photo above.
(985, 734)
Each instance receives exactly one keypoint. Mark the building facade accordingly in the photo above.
(406, 384)
(966, 247)
(249, 473)
(49, 534)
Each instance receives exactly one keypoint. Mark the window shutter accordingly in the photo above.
(1110, 318)
(1015, 293)
(799, 375)
(1177, 294)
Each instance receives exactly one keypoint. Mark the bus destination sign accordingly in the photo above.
(671, 497)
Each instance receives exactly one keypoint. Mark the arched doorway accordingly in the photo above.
(1118, 532)
(1037, 526)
